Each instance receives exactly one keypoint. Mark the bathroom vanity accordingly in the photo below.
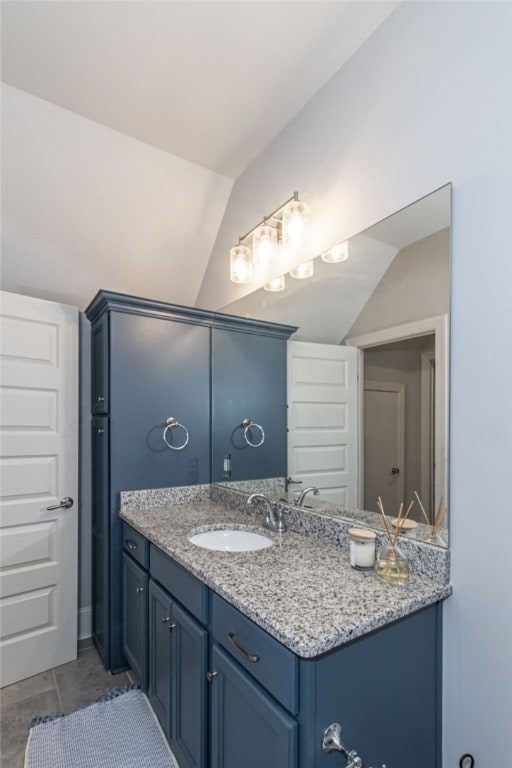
(248, 657)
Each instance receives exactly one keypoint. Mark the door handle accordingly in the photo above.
(395, 471)
(65, 503)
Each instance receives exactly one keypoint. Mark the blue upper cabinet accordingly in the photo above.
(152, 362)
(248, 385)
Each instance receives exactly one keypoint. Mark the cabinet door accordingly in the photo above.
(135, 618)
(100, 366)
(160, 630)
(248, 728)
(158, 368)
(100, 536)
(248, 381)
(189, 693)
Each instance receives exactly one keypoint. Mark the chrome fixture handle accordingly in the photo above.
(247, 424)
(249, 656)
(171, 424)
(331, 742)
(274, 519)
(299, 501)
(130, 544)
(210, 676)
(139, 590)
(64, 503)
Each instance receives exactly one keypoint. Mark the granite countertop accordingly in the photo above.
(302, 591)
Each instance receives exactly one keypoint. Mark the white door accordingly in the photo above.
(39, 467)
(384, 416)
(322, 419)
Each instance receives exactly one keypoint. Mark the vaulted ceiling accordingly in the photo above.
(125, 124)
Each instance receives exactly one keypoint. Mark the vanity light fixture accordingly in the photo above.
(285, 226)
(295, 224)
(265, 245)
(277, 284)
(302, 271)
(240, 264)
(336, 254)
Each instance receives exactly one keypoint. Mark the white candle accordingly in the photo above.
(362, 548)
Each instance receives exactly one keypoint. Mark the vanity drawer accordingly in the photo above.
(189, 591)
(136, 545)
(273, 665)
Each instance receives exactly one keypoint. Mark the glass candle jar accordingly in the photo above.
(362, 549)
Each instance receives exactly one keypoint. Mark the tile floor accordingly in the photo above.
(62, 689)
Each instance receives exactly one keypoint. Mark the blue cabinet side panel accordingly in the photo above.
(248, 381)
(383, 689)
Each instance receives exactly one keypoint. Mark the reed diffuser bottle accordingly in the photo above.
(391, 564)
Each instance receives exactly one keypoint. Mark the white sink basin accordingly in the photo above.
(230, 540)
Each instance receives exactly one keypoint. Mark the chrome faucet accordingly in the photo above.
(274, 519)
(299, 501)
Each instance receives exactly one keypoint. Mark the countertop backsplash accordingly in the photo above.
(426, 561)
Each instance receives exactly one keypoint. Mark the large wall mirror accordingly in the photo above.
(368, 370)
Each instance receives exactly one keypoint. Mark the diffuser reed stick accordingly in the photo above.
(381, 510)
(401, 520)
(422, 509)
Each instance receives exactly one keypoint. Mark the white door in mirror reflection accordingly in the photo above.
(384, 425)
(322, 419)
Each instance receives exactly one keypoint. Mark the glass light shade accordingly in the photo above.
(277, 284)
(264, 245)
(336, 254)
(302, 271)
(295, 224)
(240, 264)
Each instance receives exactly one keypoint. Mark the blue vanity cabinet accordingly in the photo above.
(248, 727)
(150, 361)
(178, 653)
(135, 618)
(384, 689)
(248, 382)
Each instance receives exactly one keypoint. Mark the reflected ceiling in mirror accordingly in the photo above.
(395, 278)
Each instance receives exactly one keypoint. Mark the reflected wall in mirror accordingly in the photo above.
(368, 369)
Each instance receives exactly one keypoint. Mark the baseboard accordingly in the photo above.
(85, 622)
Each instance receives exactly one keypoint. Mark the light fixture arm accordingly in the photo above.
(272, 215)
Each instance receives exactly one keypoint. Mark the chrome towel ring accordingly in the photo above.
(247, 424)
(171, 424)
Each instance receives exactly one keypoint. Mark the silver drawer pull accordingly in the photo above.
(139, 590)
(130, 544)
(249, 656)
(210, 676)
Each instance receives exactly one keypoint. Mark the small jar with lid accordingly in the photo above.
(362, 549)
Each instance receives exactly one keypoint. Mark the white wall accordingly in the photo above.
(415, 286)
(85, 207)
(425, 101)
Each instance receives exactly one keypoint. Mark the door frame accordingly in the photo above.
(439, 327)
